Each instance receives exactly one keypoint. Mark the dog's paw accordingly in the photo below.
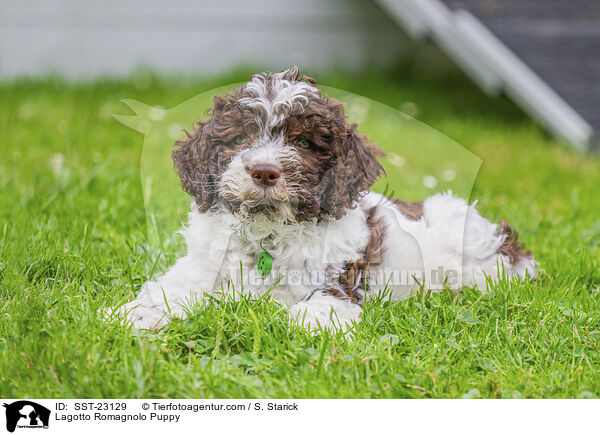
(140, 316)
(303, 316)
(324, 312)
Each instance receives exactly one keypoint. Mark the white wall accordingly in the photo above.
(81, 39)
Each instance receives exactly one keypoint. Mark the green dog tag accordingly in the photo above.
(265, 262)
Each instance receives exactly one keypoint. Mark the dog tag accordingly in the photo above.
(265, 262)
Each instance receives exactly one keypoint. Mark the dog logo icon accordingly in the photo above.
(26, 414)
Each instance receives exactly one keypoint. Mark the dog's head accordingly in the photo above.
(277, 146)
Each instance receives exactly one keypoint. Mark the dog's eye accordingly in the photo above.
(304, 144)
(238, 140)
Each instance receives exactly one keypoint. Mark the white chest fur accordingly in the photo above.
(303, 253)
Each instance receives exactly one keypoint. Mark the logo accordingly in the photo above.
(26, 414)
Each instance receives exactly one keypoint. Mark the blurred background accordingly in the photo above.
(446, 88)
(543, 54)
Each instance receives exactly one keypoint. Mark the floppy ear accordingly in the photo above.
(191, 159)
(355, 170)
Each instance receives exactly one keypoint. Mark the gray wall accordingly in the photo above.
(558, 39)
(81, 39)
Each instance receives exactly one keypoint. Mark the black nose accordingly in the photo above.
(266, 175)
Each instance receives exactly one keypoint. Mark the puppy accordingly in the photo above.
(281, 203)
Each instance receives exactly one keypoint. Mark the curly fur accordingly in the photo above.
(333, 243)
(329, 178)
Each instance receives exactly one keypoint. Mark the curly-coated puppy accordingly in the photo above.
(280, 182)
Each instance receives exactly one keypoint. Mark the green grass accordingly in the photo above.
(73, 239)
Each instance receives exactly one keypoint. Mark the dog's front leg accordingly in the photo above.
(144, 312)
(327, 311)
(167, 297)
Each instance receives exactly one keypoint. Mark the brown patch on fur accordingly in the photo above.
(412, 210)
(339, 165)
(354, 277)
(309, 79)
(208, 149)
(511, 247)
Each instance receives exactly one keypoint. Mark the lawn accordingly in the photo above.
(73, 239)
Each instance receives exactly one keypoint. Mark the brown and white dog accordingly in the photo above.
(277, 172)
